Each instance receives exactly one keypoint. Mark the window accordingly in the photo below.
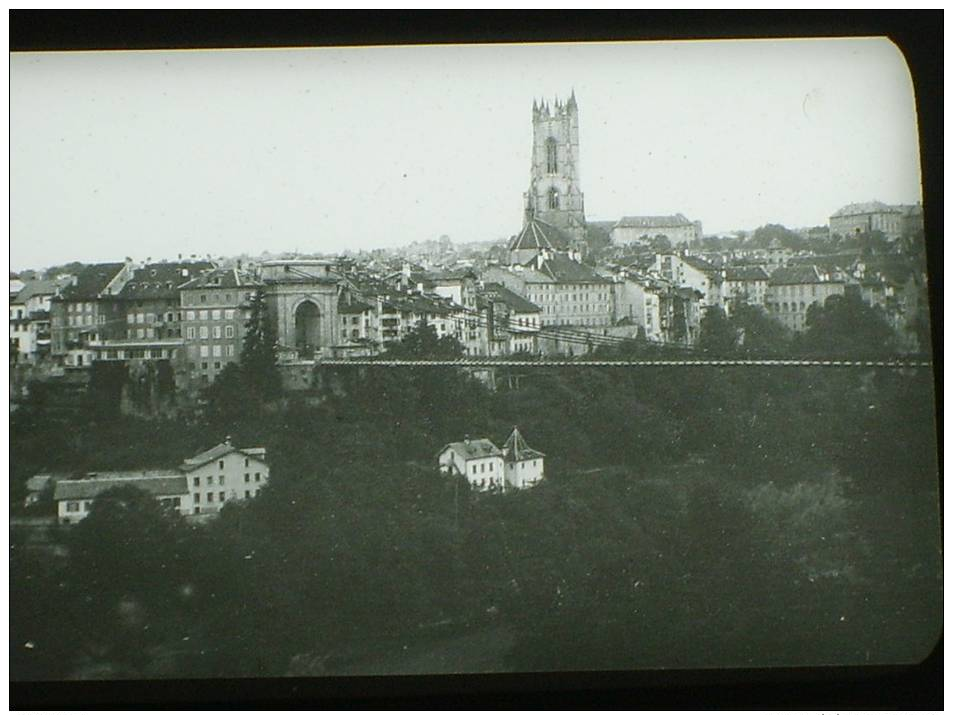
(190, 333)
(246, 461)
(203, 332)
(130, 318)
(257, 476)
(229, 331)
(553, 198)
(210, 497)
(196, 498)
(221, 479)
(482, 467)
(221, 496)
(196, 482)
(491, 466)
(229, 314)
(221, 464)
(197, 510)
(216, 351)
(87, 505)
(218, 366)
(551, 164)
(474, 469)
(216, 314)
(190, 315)
(203, 352)
(247, 476)
(247, 494)
(229, 351)
(202, 298)
(205, 366)
(210, 480)
(176, 501)
(203, 315)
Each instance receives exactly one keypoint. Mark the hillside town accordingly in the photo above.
(307, 462)
(560, 285)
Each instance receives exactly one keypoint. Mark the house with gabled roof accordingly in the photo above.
(224, 473)
(488, 468)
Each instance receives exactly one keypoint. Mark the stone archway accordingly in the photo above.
(307, 328)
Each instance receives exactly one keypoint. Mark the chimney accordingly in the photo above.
(228, 440)
(466, 440)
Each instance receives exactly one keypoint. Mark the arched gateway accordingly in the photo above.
(307, 328)
(302, 297)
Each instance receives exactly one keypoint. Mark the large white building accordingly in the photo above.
(487, 467)
(224, 473)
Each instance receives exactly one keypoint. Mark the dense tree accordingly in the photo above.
(758, 333)
(764, 236)
(259, 356)
(845, 326)
(716, 335)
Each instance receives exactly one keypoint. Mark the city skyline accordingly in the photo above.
(231, 152)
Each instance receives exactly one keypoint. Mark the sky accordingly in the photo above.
(155, 154)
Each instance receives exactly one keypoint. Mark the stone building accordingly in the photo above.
(895, 222)
(794, 289)
(554, 193)
(215, 307)
(302, 299)
(677, 229)
(82, 313)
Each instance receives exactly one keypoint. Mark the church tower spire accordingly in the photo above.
(554, 194)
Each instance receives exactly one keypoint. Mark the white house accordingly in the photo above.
(74, 497)
(486, 467)
(479, 460)
(224, 473)
(524, 466)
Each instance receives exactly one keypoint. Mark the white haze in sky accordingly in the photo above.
(152, 154)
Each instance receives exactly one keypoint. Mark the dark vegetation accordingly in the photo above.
(691, 517)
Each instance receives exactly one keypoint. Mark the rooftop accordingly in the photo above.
(538, 235)
(91, 281)
(156, 484)
(867, 207)
(677, 220)
(474, 449)
(221, 278)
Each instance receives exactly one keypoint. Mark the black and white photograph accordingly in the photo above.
(469, 359)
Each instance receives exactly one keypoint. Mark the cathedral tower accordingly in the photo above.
(554, 195)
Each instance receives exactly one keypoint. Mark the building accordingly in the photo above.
(214, 308)
(524, 466)
(488, 468)
(221, 474)
(302, 299)
(148, 321)
(665, 312)
(567, 292)
(74, 497)
(30, 325)
(479, 460)
(85, 311)
(691, 272)
(636, 229)
(794, 289)
(554, 195)
(743, 284)
(895, 222)
(513, 321)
